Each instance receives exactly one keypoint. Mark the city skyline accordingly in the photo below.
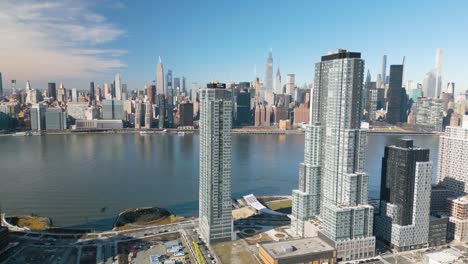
(98, 40)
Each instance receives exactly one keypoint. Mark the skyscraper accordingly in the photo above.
(438, 71)
(215, 204)
(268, 83)
(169, 80)
(334, 159)
(118, 87)
(148, 114)
(91, 91)
(290, 84)
(429, 84)
(452, 168)
(52, 91)
(61, 93)
(184, 88)
(278, 87)
(1, 86)
(384, 69)
(394, 94)
(405, 195)
(138, 113)
(160, 77)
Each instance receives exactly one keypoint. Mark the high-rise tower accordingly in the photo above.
(394, 94)
(334, 159)
(278, 88)
(118, 87)
(1, 86)
(215, 204)
(268, 83)
(52, 90)
(160, 77)
(384, 69)
(438, 71)
(91, 91)
(405, 195)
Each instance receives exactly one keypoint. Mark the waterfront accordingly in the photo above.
(90, 178)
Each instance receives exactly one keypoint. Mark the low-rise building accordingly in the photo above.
(437, 231)
(98, 124)
(285, 124)
(307, 250)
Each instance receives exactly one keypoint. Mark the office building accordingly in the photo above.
(107, 91)
(117, 87)
(176, 83)
(405, 195)
(55, 118)
(170, 107)
(148, 114)
(384, 69)
(429, 84)
(161, 110)
(243, 113)
(112, 109)
(336, 149)
(215, 206)
(290, 84)
(429, 113)
(438, 72)
(307, 250)
(139, 117)
(160, 77)
(74, 95)
(184, 87)
(268, 83)
(91, 92)
(452, 169)
(278, 88)
(394, 94)
(52, 91)
(38, 116)
(61, 94)
(98, 124)
(186, 114)
(169, 80)
(151, 93)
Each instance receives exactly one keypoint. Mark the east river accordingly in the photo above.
(86, 180)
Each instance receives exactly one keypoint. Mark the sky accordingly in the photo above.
(76, 42)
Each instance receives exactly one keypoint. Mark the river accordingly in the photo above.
(86, 180)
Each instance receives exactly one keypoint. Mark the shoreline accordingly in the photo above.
(245, 131)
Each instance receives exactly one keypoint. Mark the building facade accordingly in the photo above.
(429, 113)
(452, 169)
(339, 145)
(215, 204)
(405, 195)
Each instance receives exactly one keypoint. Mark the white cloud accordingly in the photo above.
(55, 40)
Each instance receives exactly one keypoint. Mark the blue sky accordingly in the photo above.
(81, 41)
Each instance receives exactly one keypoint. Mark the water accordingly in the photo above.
(86, 180)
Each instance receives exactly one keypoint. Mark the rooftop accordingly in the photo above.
(296, 247)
